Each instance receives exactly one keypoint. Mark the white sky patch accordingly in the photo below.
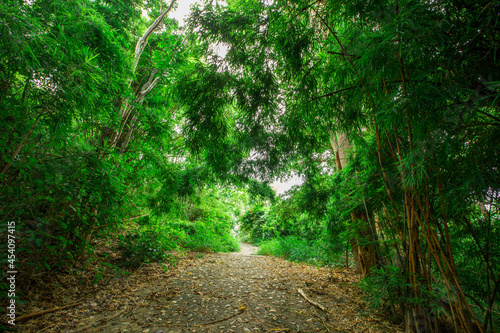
(282, 187)
(220, 49)
(182, 11)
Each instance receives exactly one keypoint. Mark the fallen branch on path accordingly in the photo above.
(316, 304)
(40, 313)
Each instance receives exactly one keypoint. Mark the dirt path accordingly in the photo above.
(223, 292)
(248, 249)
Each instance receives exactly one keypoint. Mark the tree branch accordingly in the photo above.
(349, 88)
(316, 304)
(126, 110)
(334, 93)
(143, 41)
(489, 115)
(342, 54)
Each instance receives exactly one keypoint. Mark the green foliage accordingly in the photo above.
(480, 230)
(69, 200)
(146, 245)
(296, 215)
(92, 136)
(204, 220)
(387, 289)
(298, 249)
(73, 164)
(203, 237)
(200, 220)
(255, 224)
(260, 191)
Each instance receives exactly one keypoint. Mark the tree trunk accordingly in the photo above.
(364, 243)
(341, 146)
(127, 109)
(365, 256)
(355, 255)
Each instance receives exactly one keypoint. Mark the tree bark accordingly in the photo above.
(126, 109)
(365, 256)
(364, 244)
(355, 256)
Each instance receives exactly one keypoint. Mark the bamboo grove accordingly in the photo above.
(87, 120)
(401, 98)
(389, 110)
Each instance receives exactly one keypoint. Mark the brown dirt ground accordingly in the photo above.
(215, 292)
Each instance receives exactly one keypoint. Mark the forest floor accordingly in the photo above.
(209, 292)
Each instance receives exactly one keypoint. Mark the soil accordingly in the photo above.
(217, 292)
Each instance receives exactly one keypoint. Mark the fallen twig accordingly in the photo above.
(240, 311)
(316, 304)
(36, 314)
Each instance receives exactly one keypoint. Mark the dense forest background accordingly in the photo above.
(117, 124)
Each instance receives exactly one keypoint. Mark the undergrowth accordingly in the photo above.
(201, 236)
(295, 249)
(155, 241)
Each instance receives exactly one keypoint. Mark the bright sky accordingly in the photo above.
(182, 11)
(281, 188)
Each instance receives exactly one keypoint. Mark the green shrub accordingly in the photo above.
(296, 249)
(270, 247)
(146, 245)
(387, 289)
(256, 223)
(205, 237)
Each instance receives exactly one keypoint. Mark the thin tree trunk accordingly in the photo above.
(126, 109)
(355, 256)
(362, 245)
